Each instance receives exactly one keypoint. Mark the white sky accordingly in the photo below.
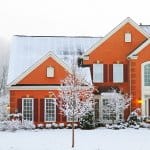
(69, 17)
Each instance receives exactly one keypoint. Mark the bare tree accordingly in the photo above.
(76, 96)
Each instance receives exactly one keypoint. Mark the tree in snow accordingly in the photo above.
(3, 110)
(114, 105)
(3, 79)
(76, 96)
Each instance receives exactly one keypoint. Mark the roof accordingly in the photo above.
(146, 28)
(31, 68)
(27, 50)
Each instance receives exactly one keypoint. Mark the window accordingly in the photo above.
(50, 109)
(98, 73)
(27, 108)
(128, 37)
(147, 75)
(118, 73)
(50, 71)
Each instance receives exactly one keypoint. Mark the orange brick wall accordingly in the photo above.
(38, 76)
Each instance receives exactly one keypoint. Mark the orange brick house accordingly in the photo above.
(120, 60)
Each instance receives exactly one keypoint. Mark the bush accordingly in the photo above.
(133, 119)
(48, 126)
(40, 126)
(14, 125)
(61, 125)
(54, 125)
(87, 121)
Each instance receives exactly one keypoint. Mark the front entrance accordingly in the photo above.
(109, 108)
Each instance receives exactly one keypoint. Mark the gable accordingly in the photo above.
(37, 74)
(114, 46)
(144, 54)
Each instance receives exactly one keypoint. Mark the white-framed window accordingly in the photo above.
(27, 108)
(117, 73)
(50, 72)
(147, 75)
(98, 73)
(50, 110)
(128, 37)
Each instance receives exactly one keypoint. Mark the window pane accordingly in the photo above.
(27, 109)
(147, 75)
(117, 73)
(127, 37)
(50, 110)
(97, 73)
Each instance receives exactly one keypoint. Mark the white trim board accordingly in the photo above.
(39, 62)
(139, 49)
(127, 20)
(34, 88)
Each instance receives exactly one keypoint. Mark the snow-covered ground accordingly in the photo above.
(60, 139)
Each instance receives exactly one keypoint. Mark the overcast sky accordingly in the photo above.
(69, 17)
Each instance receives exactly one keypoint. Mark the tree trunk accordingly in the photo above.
(73, 134)
(73, 130)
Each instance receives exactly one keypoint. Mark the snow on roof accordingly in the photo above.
(27, 50)
(146, 28)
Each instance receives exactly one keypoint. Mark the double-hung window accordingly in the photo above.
(118, 73)
(98, 73)
(27, 108)
(50, 110)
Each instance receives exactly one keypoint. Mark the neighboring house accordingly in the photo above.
(120, 60)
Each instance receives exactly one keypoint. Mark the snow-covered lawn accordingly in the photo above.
(60, 139)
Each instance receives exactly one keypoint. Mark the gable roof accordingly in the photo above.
(139, 49)
(39, 62)
(127, 20)
(27, 50)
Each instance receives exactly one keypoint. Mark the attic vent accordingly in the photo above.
(50, 72)
(127, 37)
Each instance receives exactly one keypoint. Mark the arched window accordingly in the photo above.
(147, 75)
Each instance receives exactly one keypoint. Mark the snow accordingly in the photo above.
(27, 50)
(60, 139)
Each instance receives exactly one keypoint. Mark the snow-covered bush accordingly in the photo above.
(69, 126)
(3, 111)
(13, 125)
(40, 126)
(15, 116)
(133, 119)
(27, 125)
(144, 125)
(87, 121)
(61, 125)
(54, 125)
(48, 126)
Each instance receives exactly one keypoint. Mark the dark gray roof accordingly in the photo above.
(27, 50)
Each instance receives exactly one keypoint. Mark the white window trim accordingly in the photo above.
(144, 90)
(50, 72)
(32, 108)
(45, 110)
(128, 37)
